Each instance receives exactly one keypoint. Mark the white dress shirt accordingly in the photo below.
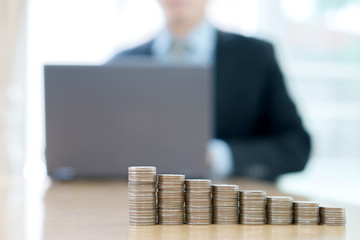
(197, 47)
(200, 44)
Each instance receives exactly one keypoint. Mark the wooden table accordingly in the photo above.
(99, 210)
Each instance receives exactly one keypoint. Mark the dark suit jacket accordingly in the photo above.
(253, 112)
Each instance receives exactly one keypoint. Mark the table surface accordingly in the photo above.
(99, 210)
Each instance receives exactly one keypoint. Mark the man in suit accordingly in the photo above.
(258, 131)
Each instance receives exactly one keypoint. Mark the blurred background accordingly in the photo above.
(317, 42)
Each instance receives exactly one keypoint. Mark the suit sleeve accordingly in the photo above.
(282, 144)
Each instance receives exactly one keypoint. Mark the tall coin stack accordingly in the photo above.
(198, 201)
(306, 213)
(225, 204)
(332, 216)
(142, 195)
(252, 207)
(279, 210)
(171, 198)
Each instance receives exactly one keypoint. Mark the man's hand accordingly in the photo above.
(219, 159)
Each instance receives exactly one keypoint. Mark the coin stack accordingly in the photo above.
(171, 198)
(142, 195)
(225, 204)
(279, 210)
(306, 213)
(332, 216)
(252, 207)
(198, 201)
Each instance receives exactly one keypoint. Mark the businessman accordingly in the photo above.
(258, 131)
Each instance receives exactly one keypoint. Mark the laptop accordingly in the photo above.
(102, 119)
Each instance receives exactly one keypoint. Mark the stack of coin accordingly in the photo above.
(142, 195)
(198, 201)
(306, 213)
(252, 207)
(279, 210)
(171, 198)
(332, 216)
(225, 204)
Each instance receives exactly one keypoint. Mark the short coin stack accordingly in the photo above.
(171, 198)
(198, 201)
(252, 207)
(142, 195)
(306, 213)
(332, 216)
(225, 204)
(279, 210)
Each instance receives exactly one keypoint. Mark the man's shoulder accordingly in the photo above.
(140, 50)
(234, 41)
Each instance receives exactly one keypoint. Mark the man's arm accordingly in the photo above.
(283, 145)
